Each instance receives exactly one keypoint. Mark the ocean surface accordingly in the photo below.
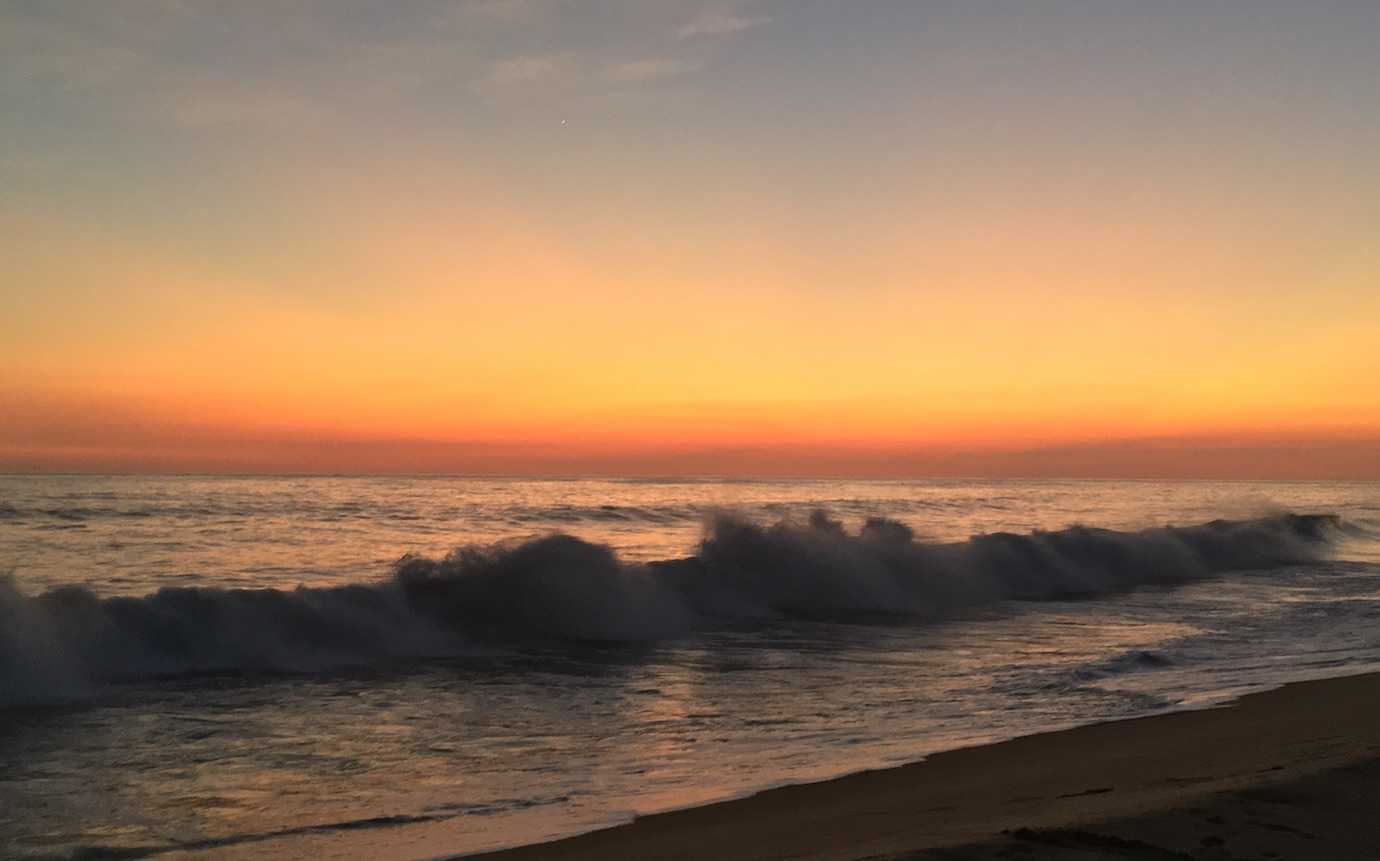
(414, 668)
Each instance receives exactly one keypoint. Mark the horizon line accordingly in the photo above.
(669, 477)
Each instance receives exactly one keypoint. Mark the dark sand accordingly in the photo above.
(1289, 774)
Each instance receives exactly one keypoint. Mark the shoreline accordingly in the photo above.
(1176, 773)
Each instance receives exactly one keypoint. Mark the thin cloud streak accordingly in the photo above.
(636, 71)
(721, 22)
(524, 70)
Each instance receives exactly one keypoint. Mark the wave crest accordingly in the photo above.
(559, 588)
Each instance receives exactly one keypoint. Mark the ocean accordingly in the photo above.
(422, 667)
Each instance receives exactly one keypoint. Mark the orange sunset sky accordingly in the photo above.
(516, 236)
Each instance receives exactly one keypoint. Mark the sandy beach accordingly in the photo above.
(1288, 773)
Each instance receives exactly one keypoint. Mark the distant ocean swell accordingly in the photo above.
(513, 515)
(67, 641)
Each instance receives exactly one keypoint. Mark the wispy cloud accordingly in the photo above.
(327, 65)
(507, 10)
(524, 69)
(721, 21)
(651, 69)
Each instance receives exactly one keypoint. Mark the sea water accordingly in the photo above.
(423, 667)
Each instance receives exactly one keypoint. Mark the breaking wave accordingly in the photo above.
(1134, 661)
(64, 642)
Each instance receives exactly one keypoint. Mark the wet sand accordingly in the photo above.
(1292, 773)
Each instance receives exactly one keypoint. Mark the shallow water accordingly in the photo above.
(260, 730)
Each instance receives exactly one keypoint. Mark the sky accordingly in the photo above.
(1052, 237)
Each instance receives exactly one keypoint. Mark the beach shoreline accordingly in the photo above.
(1293, 771)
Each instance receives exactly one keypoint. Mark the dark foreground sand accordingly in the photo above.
(1289, 774)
